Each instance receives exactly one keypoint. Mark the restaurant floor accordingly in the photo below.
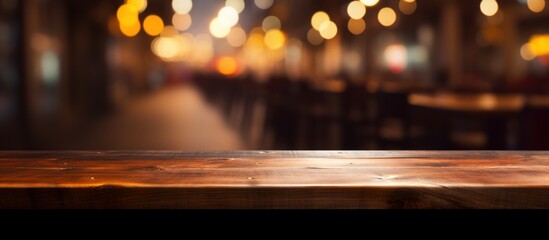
(173, 118)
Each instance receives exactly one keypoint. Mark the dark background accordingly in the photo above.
(70, 79)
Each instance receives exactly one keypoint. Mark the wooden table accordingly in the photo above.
(274, 179)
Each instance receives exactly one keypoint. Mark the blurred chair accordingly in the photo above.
(392, 119)
(534, 122)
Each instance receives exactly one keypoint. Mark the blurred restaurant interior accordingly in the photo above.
(274, 74)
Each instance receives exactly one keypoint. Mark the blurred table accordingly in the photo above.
(538, 101)
(493, 110)
(274, 179)
(484, 102)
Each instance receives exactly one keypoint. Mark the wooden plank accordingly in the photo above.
(275, 179)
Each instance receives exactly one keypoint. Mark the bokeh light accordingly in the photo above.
(236, 37)
(536, 5)
(407, 7)
(328, 30)
(271, 22)
(130, 30)
(218, 29)
(202, 50)
(263, 4)
(369, 3)
(318, 19)
(166, 48)
(526, 53)
(275, 39)
(140, 5)
(169, 31)
(356, 26)
(489, 7)
(182, 6)
(227, 66)
(255, 43)
(181, 22)
(313, 36)
(238, 5)
(356, 10)
(386, 16)
(228, 16)
(396, 58)
(127, 15)
(186, 42)
(539, 44)
(153, 25)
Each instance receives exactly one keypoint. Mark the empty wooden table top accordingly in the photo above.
(275, 179)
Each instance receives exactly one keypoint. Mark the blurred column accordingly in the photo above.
(26, 91)
(21, 102)
(451, 45)
(86, 45)
(510, 42)
(42, 63)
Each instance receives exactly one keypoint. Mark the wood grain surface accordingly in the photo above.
(274, 179)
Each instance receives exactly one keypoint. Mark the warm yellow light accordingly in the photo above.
(318, 19)
(186, 42)
(356, 10)
(539, 45)
(166, 48)
(169, 31)
(181, 22)
(275, 39)
(153, 25)
(276, 54)
(263, 4)
(536, 5)
(182, 6)
(526, 53)
(236, 37)
(313, 36)
(174, 48)
(489, 7)
(140, 5)
(328, 30)
(227, 66)
(127, 15)
(130, 30)
(257, 30)
(238, 5)
(386, 17)
(202, 49)
(369, 3)
(293, 52)
(356, 26)
(218, 29)
(407, 7)
(228, 16)
(271, 22)
(255, 43)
